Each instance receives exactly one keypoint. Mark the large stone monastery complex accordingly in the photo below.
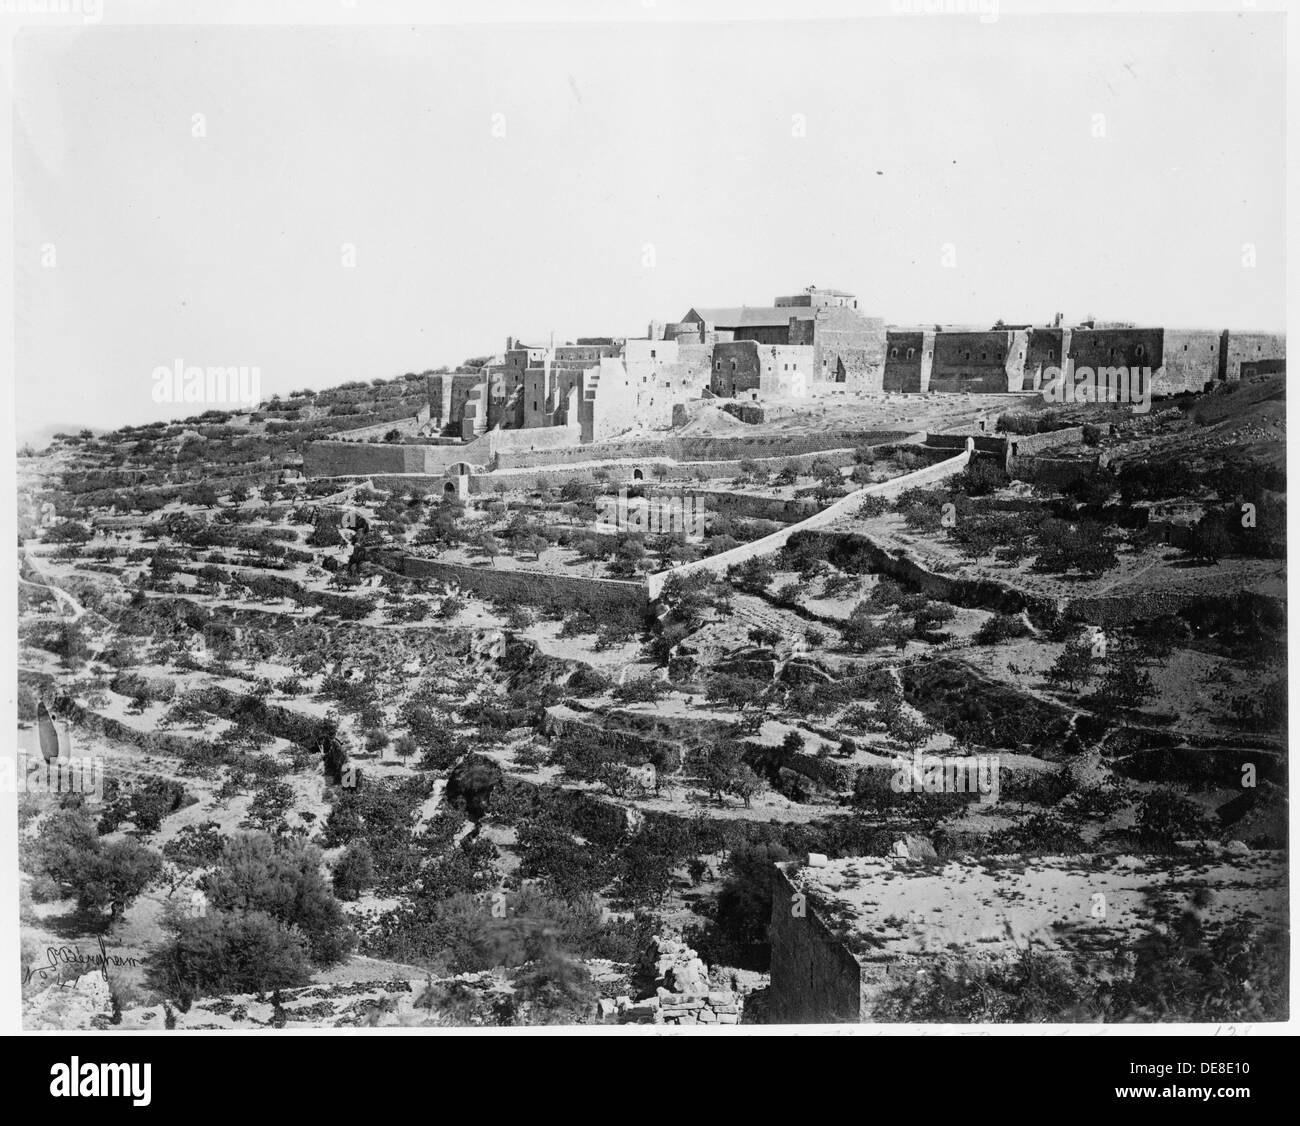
(536, 397)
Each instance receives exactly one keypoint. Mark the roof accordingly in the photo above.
(751, 316)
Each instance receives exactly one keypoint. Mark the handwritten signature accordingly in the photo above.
(57, 957)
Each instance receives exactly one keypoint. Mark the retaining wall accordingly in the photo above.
(718, 564)
(532, 587)
(815, 980)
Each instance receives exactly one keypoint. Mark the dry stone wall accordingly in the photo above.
(532, 587)
(814, 978)
(718, 564)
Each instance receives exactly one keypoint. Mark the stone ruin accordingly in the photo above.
(672, 984)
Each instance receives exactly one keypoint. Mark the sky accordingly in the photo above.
(355, 203)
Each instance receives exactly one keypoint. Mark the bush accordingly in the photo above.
(114, 875)
(354, 871)
(1164, 817)
(231, 952)
(1001, 627)
(281, 877)
(559, 990)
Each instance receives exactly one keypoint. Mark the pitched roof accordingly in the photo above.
(752, 316)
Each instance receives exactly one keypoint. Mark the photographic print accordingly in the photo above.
(661, 518)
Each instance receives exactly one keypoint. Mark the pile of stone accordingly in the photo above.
(675, 990)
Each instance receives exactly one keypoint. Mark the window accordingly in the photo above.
(893, 353)
(534, 404)
(984, 355)
(1140, 351)
(733, 365)
(652, 353)
(966, 354)
(717, 366)
(911, 352)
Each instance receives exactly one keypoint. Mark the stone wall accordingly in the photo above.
(718, 564)
(815, 980)
(1046, 349)
(848, 348)
(695, 448)
(1192, 361)
(405, 425)
(532, 587)
(984, 443)
(1024, 445)
(984, 594)
(677, 991)
(342, 459)
(1116, 347)
(1254, 348)
(1058, 471)
(332, 458)
(985, 362)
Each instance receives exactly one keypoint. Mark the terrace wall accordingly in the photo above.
(532, 587)
(814, 978)
(718, 564)
(1057, 471)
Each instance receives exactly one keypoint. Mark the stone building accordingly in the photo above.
(909, 353)
(987, 362)
(748, 369)
(1254, 353)
(847, 346)
(814, 298)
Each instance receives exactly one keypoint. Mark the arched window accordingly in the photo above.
(893, 353)
(911, 352)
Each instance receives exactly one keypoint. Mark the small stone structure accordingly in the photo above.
(676, 986)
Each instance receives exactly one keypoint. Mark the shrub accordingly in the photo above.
(1001, 627)
(281, 877)
(112, 876)
(231, 952)
(559, 990)
(1164, 817)
(354, 871)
